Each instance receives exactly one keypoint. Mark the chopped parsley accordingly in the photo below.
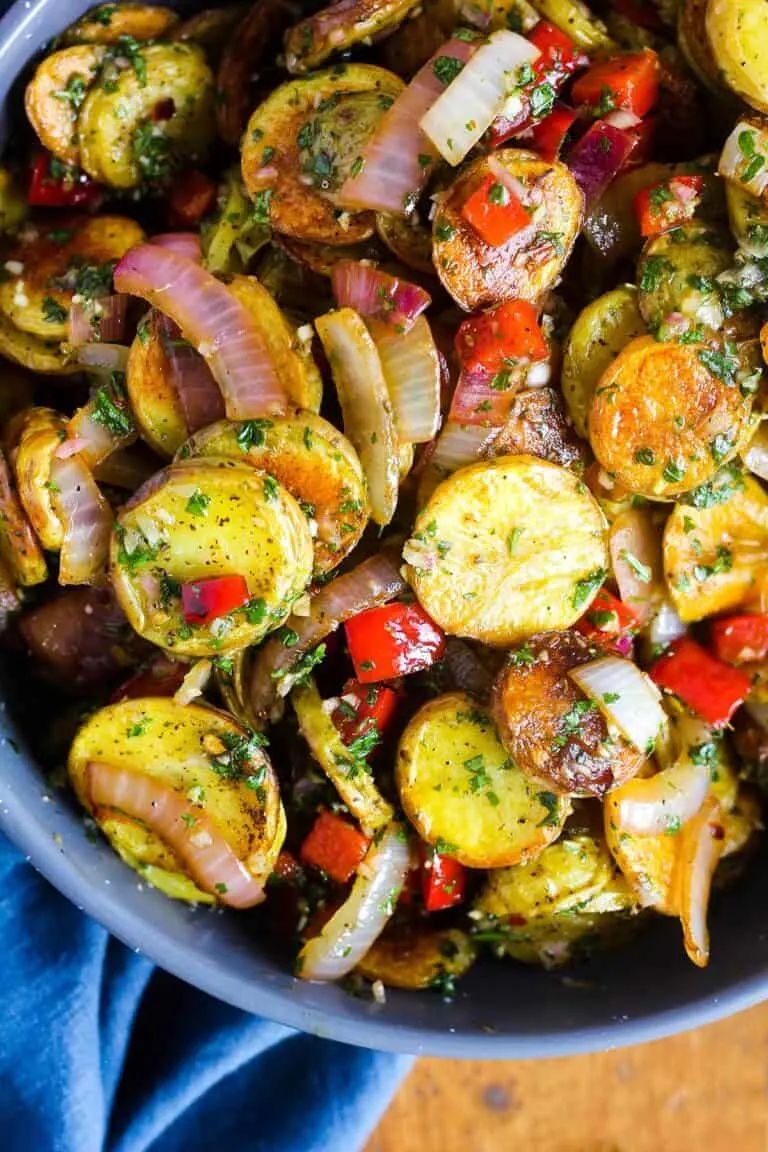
(445, 231)
(642, 571)
(754, 161)
(653, 270)
(198, 503)
(110, 408)
(75, 91)
(571, 721)
(301, 670)
(645, 456)
(551, 803)
(252, 433)
(674, 471)
(722, 364)
(261, 206)
(723, 562)
(584, 589)
(53, 312)
(447, 68)
(138, 557)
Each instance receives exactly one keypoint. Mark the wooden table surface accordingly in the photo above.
(704, 1091)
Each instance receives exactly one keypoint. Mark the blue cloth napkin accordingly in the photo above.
(102, 1052)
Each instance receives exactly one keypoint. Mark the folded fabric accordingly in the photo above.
(102, 1052)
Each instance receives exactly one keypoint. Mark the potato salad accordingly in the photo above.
(384, 466)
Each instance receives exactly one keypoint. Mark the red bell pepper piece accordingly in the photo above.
(629, 81)
(56, 185)
(163, 677)
(443, 881)
(709, 687)
(191, 197)
(548, 136)
(668, 204)
(509, 332)
(335, 846)
(205, 600)
(363, 707)
(737, 639)
(557, 61)
(393, 640)
(609, 622)
(495, 213)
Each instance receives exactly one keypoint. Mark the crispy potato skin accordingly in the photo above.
(315, 463)
(457, 785)
(154, 402)
(674, 258)
(37, 433)
(53, 117)
(320, 258)
(477, 275)
(658, 402)
(536, 426)
(501, 548)
(141, 21)
(715, 558)
(737, 31)
(530, 701)
(296, 208)
(414, 955)
(342, 25)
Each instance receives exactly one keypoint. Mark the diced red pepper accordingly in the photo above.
(163, 677)
(205, 600)
(393, 640)
(738, 639)
(191, 197)
(557, 61)
(609, 622)
(509, 332)
(709, 687)
(56, 185)
(668, 204)
(547, 137)
(335, 846)
(558, 51)
(362, 707)
(495, 213)
(443, 881)
(629, 81)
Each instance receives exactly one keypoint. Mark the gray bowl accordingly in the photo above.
(644, 991)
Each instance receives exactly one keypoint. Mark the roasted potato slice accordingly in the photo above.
(55, 93)
(122, 144)
(748, 217)
(253, 45)
(599, 333)
(548, 726)
(201, 519)
(716, 553)
(507, 547)
(36, 434)
(409, 238)
(19, 547)
(107, 23)
(737, 31)
(213, 28)
(412, 44)
(464, 795)
(417, 955)
(676, 273)
(339, 27)
(46, 357)
(313, 461)
(478, 275)
(571, 897)
(536, 426)
(312, 131)
(154, 400)
(54, 262)
(665, 416)
(200, 753)
(321, 258)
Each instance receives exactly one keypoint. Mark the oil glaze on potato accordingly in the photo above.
(200, 519)
(36, 434)
(662, 419)
(506, 548)
(737, 31)
(547, 725)
(673, 266)
(340, 26)
(477, 275)
(151, 391)
(463, 793)
(199, 752)
(536, 426)
(55, 93)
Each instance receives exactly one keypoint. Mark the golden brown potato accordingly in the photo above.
(213, 28)
(737, 31)
(37, 433)
(676, 273)
(665, 416)
(693, 43)
(536, 426)
(154, 400)
(19, 547)
(54, 96)
(478, 275)
(341, 26)
(547, 724)
(320, 258)
(415, 954)
(408, 238)
(304, 140)
(106, 23)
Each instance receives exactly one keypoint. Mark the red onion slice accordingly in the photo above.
(378, 297)
(477, 401)
(199, 394)
(98, 320)
(597, 157)
(87, 520)
(184, 243)
(103, 358)
(216, 324)
(375, 581)
(212, 864)
(100, 427)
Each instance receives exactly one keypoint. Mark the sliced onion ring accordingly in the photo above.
(663, 803)
(97, 320)
(626, 697)
(185, 243)
(361, 919)
(703, 840)
(411, 367)
(103, 358)
(87, 520)
(212, 864)
(386, 300)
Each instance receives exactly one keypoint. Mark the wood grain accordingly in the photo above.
(704, 1091)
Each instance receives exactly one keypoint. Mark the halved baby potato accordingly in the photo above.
(414, 954)
(599, 333)
(200, 519)
(737, 31)
(549, 727)
(123, 143)
(665, 416)
(536, 426)
(154, 400)
(35, 435)
(55, 94)
(312, 460)
(20, 549)
(716, 554)
(676, 271)
(548, 911)
(107, 23)
(339, 27)
(506, 548)
(464, 794)
(478, 275)
(304, 140)
(204, 756)
(58, 261)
